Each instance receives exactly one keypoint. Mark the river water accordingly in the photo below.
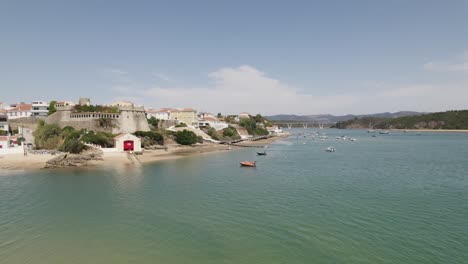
(398, 198)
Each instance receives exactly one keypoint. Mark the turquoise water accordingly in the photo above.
(399, 198)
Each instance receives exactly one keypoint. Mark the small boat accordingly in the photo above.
(248, 164)
(229, 148)
(374, 136)
(352, 139)
(330, 149)
(261, 153)
(385, 132)
(370, 130)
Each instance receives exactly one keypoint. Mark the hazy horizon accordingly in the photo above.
(300, 57)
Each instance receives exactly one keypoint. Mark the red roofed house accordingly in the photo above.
(21, 110)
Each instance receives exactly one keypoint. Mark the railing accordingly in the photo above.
(91, 115)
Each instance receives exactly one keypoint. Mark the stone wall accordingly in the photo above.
(27, 122)
(128, 120)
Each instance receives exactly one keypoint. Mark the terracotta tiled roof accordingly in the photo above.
(21, 108)
(208, 118)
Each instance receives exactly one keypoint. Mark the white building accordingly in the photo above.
(212, 122)
(3, 121)
(40, 109)
(127, 142)
(21, 110)
(274, 129)
(4, 142)
(160, 114)
(121, 103)
(8, 142)
(60, 104)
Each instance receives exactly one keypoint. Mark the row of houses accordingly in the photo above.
(20, 110)
(187, 116)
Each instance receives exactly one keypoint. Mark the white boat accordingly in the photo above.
(352, 139)
(370, 130)
(385, 132)
(330, 149)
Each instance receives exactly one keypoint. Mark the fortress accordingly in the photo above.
(126, 118)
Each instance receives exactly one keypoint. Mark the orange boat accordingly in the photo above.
(248, 164)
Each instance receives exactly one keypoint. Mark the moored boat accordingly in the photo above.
(261, 153)
(330, 149)
(248, 164)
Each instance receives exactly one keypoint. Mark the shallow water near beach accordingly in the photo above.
(398, 198)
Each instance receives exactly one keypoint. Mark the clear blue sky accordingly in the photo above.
(303, 57)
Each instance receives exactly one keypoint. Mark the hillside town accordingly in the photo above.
(65, 126)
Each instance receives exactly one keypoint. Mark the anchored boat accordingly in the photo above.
(248, 164)
(330, 149)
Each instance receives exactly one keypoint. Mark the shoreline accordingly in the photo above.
(19, 162)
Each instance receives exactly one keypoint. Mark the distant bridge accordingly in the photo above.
(300, 124)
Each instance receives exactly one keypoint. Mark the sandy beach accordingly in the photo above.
(38, 161)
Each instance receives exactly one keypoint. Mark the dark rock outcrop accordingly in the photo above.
(74, 160)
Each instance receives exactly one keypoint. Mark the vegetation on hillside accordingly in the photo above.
(255, 125)
(186, 137)
(153, 121)
(228, 133)
(442, 120)
(103, 139)
(150, 138)
(46, 136)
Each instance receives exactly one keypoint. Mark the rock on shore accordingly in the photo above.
(74, 160)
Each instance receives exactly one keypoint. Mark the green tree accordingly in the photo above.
(46, 136)
(52, 107)
(219, 115)
(213, 133)
(150, 137)
(102, 139)
(153, 121)
(185, 137)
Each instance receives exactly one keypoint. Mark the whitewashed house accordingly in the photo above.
(40, 109)
(212, 122)
(127, 142)
(21, 110)
(160, 114)
(4, 121)
(4, 142)
(8, 142)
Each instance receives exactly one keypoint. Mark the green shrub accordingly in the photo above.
(186, 137)
(102, 139)
(231, 132)
(213, 133)
(153, 121)
(73, 145)
(46, 136)
(52, 107)
(181, 125)
(152, 137)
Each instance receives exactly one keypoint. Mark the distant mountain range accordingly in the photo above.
(326, 118)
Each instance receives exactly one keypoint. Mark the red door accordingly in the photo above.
(128, 145)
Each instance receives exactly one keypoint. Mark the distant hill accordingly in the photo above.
(326, 118)
(440, 120)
